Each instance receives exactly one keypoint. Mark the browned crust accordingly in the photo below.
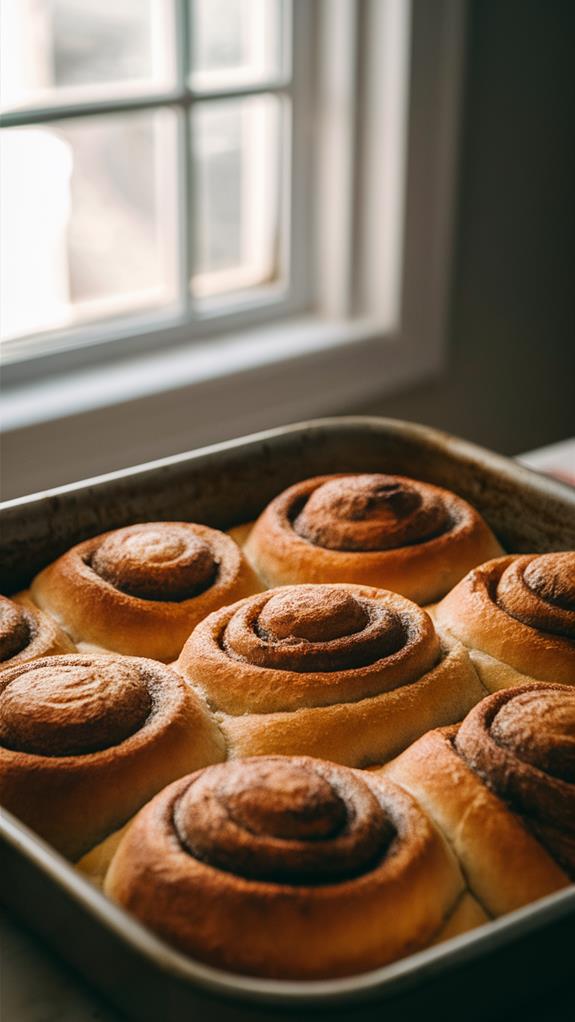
(371, 730)
(423, 572)
(504, 865)
(471, 614)
(93, 611)
(354, 716)
(281, 930)
(520, 742)
(74, 801)
(46, 638)
(236, 686)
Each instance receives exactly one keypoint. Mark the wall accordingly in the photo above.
(511, 380)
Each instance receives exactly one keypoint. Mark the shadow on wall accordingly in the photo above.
(511, 379)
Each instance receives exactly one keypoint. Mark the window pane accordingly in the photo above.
(88, 220)
(61, 50)
(236, 179)
(234, 42)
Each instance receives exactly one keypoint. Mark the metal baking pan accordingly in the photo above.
(504, 962)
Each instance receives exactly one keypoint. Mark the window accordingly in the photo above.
(204, 188)
(148, 160)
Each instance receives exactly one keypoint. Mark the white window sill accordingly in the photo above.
(82, 424)
(325, 363)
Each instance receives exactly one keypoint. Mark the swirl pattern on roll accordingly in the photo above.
(318, 629)
(540, 592)
(372, 512)
(337, 860)
(14, 629)
(500, 788)
(157, 561)
(520, 611)
(276, 820)
(319, 642)
(142, 589)
(521, 741)
(109, 728)
(346, 672)
(387, 530)
(26, 634)
(76, 706)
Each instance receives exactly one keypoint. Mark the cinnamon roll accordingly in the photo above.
(345, 672)
(86, 740)
(517, 616)
(142, 589)
(379, 530)
(287, 867)
(26, 634)
(501, 788)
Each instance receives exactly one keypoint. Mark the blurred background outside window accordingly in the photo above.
(137, 160)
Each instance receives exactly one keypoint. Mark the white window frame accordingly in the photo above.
(187, 319)
(372, 254)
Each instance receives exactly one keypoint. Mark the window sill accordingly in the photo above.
(308, 351)
(132, 411)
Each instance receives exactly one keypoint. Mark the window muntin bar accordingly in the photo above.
(66, 51)
(180, 99)
(235, 43)
(237, 166)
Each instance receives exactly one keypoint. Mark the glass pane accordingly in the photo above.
(234, 42)
(88, 220)
(236, 177)
(65, 50)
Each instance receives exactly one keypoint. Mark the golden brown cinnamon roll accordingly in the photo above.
(86, 740)
(142, 589)
(501, 788)
(287, 867)
(345, 672)
(517, 617)
(379, 530)
(26, 634)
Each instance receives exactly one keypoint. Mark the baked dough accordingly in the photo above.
(500, 787)
(516, 615)
(86, 740)
(379, 530)
(289, 867)
(26, 634)
(347, 673)
(141, 590)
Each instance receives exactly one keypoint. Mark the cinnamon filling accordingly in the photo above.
(65, 706)
(552, 577)
(522, 744)
(313, 628)
(540, 592)
(371, 512)
(539, 728)
(14, 629)
(317, 615)
(162, 561)
(284, 820)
